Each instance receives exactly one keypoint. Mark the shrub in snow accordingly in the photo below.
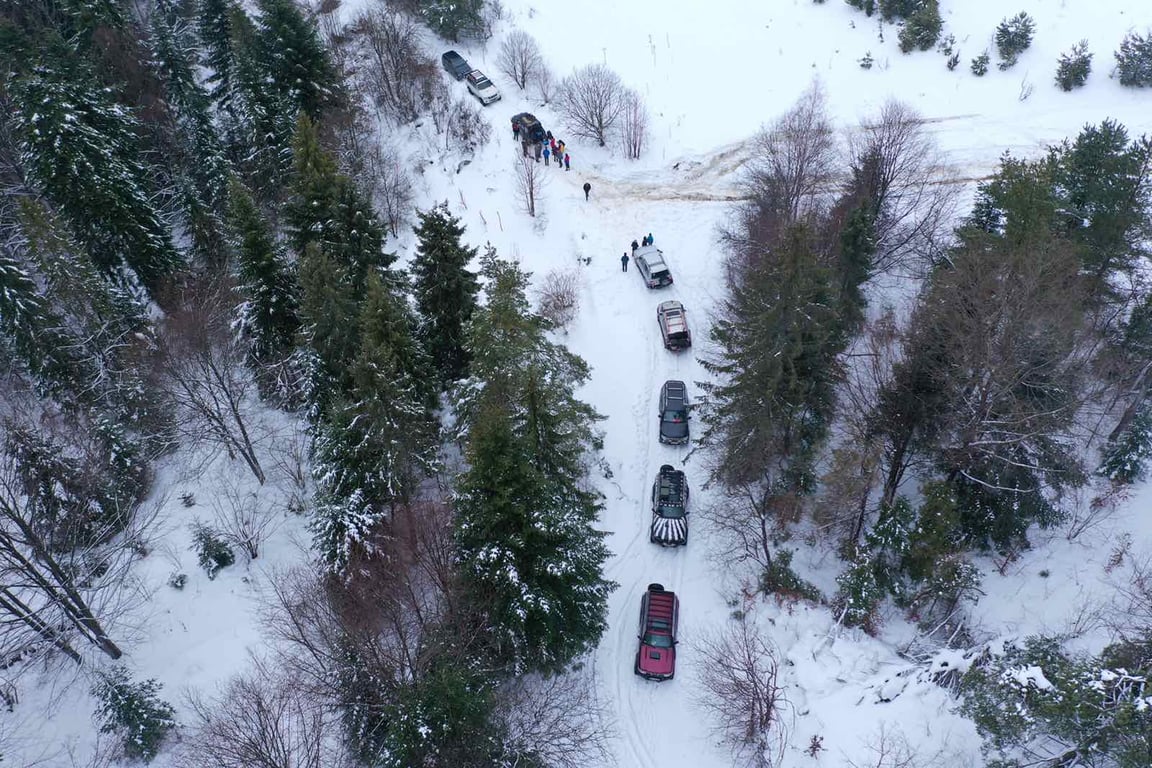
(980, 64)
(867, 61)
(1091, 711)
(891, 10)
(1072, 71)
(947, 45)
(922, 29)
(953, 61)
(779, 579)
(868, 6)
(211, 550)
(134, 711)
(178, 580)
(1134, 61)
(1013, 37)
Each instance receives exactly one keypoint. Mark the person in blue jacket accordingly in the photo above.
(624, 262)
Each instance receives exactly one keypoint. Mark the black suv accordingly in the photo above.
(669, 508)
(455, 65)
(651, 266)
(674, 413)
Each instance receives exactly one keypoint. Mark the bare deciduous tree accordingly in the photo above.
(262, 718)
(559, 720)
(890, 748)
(520, 58)
(633, 125)
(242, 517)
(739, 680)
(39, 591)
(794, 159)
(906, 182)
(559, 297)
(590, 101)
(466, 130)
(545, 83)
(530, 180)
(204, 370)
(399, 77)
(392, 185)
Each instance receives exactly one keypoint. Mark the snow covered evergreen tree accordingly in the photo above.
(327, 209)
(1013, 37)
(268, 316)
(298, 66)
(1074, 67)
(79, 147)
(379, 438)
(454, 18)
(135, 712)
(329, 330)
(444, 289)
(1134, 60)
(201, 169)
(528, 551)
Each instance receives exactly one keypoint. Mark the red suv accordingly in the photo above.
(659, 615)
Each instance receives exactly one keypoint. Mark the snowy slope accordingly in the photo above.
(712, 73)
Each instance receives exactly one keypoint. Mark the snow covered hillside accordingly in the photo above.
(711, 74)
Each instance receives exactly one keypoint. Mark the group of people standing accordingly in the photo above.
(548, 148)
(644, 241)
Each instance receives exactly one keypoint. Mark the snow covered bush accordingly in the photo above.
(1013, 37)
(891, 10)
(466, 129)
(1134, 61)
(559, 298)
(1065, 709)
(779, 579)
(922, 29)
(980, 64)
(1074, 67)
(213, 553)
(866, 61)
(134, 711)
(868, 6)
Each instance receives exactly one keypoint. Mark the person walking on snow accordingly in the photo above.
(650, 240)
(624, 263)
(567, 162)
(587, 189)
(546, 154)
(635, 245)
(515, 130)
(538, 145)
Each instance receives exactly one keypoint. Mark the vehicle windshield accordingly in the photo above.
(675, 417)
(658, 641)
(482, 82)
(671, 509)
(678, 336)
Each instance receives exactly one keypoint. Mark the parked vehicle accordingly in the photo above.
(651, 265)
(481, 87)
(530, 127)
(455, 65)
(659, 616)
(669, 508)
(673, 325)
(674, 413)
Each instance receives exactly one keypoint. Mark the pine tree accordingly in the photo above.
(214, 24)
(135, 711)
(201, 169)
(1134, 60)
(444, 289)
(79, 148)
(922, 29)
(778, 337)
(1013, 37)
(1074, 67)
(377, 442)
(453, 18)
(529, 555)
(329, 329)
(325, 208)
(298, 67)
(268, 315)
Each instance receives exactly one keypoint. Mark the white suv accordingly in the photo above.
(481, 87)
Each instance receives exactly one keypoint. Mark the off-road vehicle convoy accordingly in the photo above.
(673, 325)
(652, 267)
(673, 413)
(659, 615)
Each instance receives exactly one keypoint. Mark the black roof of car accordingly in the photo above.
(453, 56)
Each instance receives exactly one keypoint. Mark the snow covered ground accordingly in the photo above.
(712, 74)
